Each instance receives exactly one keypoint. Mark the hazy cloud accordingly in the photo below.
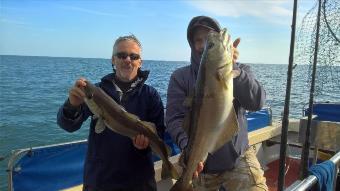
(88, 11)
(25, 25)
(274, 11)
(11, 21)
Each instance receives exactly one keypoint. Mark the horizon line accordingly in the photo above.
(142, 59)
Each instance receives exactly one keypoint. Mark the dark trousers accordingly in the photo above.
(146, 186)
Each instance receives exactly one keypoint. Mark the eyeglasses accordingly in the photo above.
(124, 55)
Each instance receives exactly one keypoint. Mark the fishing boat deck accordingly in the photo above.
(265, 139)
(291, 174)
(255, 137)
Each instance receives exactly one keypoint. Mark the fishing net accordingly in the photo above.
(328, 60)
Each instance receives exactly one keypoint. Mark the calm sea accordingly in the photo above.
(33, 88)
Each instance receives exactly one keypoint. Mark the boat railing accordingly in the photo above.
(311, 180)
(16, 154)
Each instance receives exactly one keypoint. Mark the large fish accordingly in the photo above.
(211, 121)
(116, 118)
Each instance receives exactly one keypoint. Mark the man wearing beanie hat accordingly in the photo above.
(234, 166)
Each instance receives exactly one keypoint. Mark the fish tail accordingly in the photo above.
(180, 186)
(169, 171)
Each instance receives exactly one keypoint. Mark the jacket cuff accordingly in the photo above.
(183, 143)
(70, 111)
(235, 66)
(241, 75)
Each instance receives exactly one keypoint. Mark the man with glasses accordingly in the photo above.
(234, 166)
(113, 161)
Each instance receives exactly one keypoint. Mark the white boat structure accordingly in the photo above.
(60, 166)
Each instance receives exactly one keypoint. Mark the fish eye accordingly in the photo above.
(88, 94)
(210, 45)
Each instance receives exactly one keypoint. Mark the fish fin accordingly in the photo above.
(151, 126)
(132, 116)
(169, 171)
(182, 161)
(100, 125)
(235, 73)
(189, 99)
(168, 150)
(186, 122)
(188, 102)
(181, 186)
(224, 76)
(230, 129)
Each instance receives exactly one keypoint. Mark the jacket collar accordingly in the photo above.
(142, 76)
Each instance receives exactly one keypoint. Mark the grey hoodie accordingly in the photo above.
(248, 93)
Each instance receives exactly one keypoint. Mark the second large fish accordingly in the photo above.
(113, 116)
(211, 121)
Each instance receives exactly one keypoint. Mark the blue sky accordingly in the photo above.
(88, 28)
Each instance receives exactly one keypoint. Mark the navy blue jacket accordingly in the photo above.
(112, 161)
